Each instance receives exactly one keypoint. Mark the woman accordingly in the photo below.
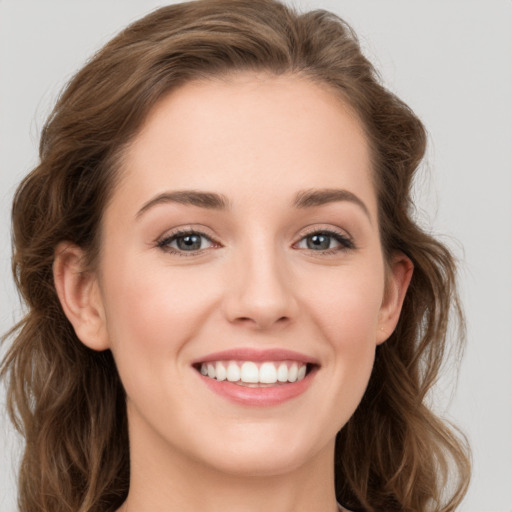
(226, 289)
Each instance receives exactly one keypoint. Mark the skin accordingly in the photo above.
(255, 283)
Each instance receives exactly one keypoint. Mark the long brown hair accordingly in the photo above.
(394, 454)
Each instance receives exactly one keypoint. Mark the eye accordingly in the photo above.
(325, 241)
(188, 241)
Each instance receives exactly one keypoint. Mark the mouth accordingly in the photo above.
(255, 374)
(257, 378)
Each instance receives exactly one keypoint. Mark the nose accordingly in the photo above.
(260, 291)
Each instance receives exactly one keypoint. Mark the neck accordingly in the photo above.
(163, 479)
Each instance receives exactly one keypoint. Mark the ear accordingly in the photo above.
(399, 276)
(80, 296)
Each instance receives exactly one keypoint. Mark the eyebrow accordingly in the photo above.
(318, 197)
(212, 201)
(208, 200)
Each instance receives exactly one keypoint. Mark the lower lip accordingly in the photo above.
(259, 396)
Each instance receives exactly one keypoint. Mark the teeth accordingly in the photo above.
(233, 374)
(268, 373)
(220, 371)
(292, 373)
(282, 373)
(250, 372)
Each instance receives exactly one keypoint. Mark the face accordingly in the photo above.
(241, 285)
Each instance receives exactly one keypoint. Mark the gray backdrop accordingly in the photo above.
(451, 60)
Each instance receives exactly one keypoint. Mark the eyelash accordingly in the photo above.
(346, 243)
(181, 233)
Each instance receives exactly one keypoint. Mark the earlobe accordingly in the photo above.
(79, 295)
(399, 277)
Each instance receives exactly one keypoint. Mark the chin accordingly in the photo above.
(265, 452)
(273, 461)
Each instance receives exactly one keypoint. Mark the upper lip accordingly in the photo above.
(251, 354)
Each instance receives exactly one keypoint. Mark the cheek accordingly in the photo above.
(343, 310)
(346, 312)
(347, 304)
(152, 313)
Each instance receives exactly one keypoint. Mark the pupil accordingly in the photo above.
(189, 242)
(319, 242)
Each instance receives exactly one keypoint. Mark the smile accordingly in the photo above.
(260, 378)
(255, 373)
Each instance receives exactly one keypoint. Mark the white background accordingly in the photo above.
(451, 60)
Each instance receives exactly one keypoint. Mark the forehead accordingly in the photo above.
(247, 132)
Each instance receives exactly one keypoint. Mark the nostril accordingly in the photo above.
(262, 321)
